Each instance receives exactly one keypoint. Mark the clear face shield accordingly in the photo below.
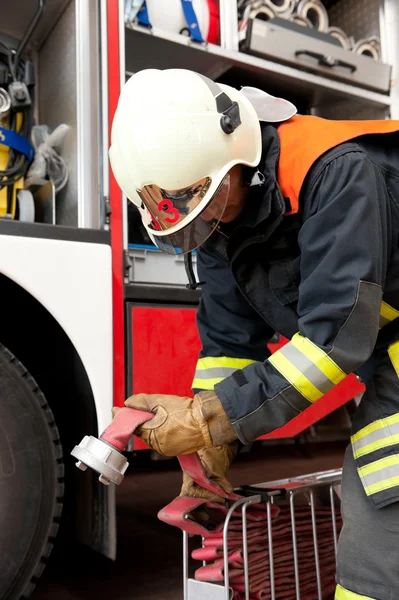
(165, 209)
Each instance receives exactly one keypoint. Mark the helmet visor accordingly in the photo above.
(170, 208)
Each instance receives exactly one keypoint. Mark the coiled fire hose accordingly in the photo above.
(104, 456)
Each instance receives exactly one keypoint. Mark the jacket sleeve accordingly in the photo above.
(232, 334)
(344, 253)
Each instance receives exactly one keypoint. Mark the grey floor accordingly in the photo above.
(148, 566)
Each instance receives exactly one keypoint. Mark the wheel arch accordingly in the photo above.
(36, 338)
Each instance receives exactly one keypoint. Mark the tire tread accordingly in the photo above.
(58, 463)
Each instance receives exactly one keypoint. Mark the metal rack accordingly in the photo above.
(162, 49)
(321, 487)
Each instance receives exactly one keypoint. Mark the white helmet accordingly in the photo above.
(175, 136)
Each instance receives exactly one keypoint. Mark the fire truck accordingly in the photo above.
(91, 312)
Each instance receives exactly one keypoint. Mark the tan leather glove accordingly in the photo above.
(216, 462)
(183, 425)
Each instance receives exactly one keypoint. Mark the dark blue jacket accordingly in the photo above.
(326, 278)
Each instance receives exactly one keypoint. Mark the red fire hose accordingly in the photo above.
(187, 513)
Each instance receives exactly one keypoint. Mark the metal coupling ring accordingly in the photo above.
(315, 11)
(340, 35)
(5, 103)
(101, 457)
(264, 13)
(299, 20)
(280, 6)
(368, 47)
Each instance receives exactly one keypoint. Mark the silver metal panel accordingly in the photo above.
(228, 24)
(200, 590)
(122, 74)
(88, 113)
(358, 18)
(283, 45)
(57, 102)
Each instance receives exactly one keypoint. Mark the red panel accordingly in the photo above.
(340, 395)
(165, 352)
(115, 197)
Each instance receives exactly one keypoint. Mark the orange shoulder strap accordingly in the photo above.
(303, 139)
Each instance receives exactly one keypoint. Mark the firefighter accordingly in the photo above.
(295, 221)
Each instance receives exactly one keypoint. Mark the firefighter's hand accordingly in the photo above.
(182, 425)
(216, 462)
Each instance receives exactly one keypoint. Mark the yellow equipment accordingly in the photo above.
(16, 113)
(9, 208)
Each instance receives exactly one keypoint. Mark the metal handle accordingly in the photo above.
(264, 493)
(327, 60)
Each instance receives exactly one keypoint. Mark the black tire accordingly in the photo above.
(31, 479)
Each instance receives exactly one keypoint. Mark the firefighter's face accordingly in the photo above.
(237, 196)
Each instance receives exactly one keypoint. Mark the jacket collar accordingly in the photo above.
(262, 201)
(264, 207)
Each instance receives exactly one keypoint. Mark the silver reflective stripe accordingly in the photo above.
(307, 368)
(381, 475)
(215, 372)
(385, 433)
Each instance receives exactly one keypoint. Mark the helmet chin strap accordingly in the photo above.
(192, 284)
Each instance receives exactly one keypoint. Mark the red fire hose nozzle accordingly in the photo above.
(104, 454)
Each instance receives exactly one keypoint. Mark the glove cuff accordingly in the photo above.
(220, 428)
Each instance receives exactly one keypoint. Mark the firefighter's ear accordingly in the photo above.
(267, 107)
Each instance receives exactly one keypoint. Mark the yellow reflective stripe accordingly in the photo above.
(307, 367)
(388, 312)
(295, 377)
(374, 426)
(382, 485)
(206, 384)
(380, 464)
(343, 594)
(211, 362)
(213, 369)
(377, 445)
(393, 352)
(380, 475)
(319, 358)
